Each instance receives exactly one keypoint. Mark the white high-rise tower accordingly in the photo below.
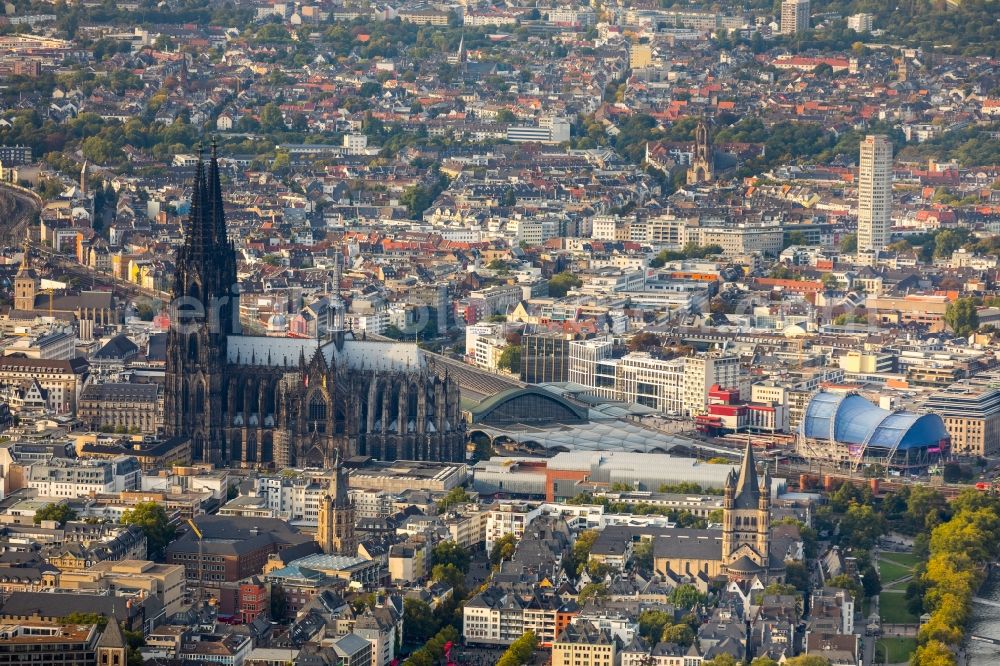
(794, 16)
(874, 197)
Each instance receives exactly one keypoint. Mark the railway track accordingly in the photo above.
(27, 205)
(93, 279)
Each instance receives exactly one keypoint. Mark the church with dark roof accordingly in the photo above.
(742, 551)
(32, 301)
(246, 400)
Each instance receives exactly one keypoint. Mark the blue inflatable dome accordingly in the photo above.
(847, 418)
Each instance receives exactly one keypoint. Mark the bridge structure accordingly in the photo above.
(27, 205)
(985, 639)
(986, 602)
(95, 279)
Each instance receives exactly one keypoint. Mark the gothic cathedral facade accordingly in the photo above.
(259, 401)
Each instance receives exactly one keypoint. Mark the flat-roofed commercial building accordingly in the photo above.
(972, 416)
(402, 475)
(556, 478)
(164, 581)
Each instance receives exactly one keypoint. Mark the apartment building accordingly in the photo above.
(738, 239)
(487, 351)
(409, 561)
(485, 303)
(874, 193)
(794, 16)
(295, 498)
(372, 502)
(68, 477)
(583, 644)
(550, 130)
(467, 527)
(382, 627)
(860, 22)
(62, 380)
(640, 56)
(508, 517)
(500, 617)
(229, 650)
(15, 155)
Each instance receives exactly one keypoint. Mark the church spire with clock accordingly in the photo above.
(335, 523)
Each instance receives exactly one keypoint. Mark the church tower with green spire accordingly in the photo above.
(746, 522)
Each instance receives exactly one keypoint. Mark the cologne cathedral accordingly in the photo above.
(252, 401)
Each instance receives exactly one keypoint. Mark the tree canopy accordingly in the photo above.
(61, 513)
(962, 317)
(560, 283)
(520, 651)
(153, 520)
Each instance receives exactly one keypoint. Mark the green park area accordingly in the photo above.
(895, 570)
(895, 650)
(892, 608)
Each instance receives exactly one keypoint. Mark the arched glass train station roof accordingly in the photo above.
(848, 418)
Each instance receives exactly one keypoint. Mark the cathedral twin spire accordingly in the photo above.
(206, 231)
(206, 262)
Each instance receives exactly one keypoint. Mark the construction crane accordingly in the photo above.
(201, 562)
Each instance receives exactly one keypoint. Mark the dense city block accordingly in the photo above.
(499, 332)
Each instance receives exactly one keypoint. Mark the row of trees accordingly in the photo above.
(689, 251)
(432, 629)
(960, 550)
